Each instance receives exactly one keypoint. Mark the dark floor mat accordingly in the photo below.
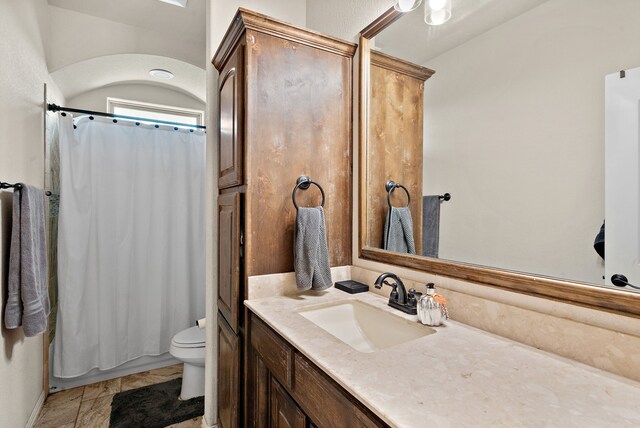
(154, 406)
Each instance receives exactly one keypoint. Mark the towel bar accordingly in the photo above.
(303, 182)
(16, 186)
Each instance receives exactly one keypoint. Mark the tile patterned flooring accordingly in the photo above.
(90, 406)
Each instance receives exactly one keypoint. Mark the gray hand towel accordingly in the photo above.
(430, 225)
(28, 296)
(398, 231)
(311, 254)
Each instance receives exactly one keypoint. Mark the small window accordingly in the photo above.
(154, 111)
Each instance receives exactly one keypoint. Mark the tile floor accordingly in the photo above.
(90, 406)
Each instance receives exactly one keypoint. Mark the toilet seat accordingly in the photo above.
(192, 337)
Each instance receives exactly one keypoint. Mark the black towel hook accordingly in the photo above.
(303, 182)
(391, 186)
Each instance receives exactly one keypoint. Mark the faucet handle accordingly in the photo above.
(413, 296)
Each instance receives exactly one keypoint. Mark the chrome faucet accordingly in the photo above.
(398, 299)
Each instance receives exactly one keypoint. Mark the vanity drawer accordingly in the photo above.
(274, 350)
(324, 401)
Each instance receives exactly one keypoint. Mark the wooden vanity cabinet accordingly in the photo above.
(287, 390)
(285, 110)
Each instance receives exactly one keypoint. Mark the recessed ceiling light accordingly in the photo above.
(159, 73)
(181, 3)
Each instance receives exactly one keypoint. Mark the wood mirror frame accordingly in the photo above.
(578, 293)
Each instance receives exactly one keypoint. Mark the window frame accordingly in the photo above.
(113, 103)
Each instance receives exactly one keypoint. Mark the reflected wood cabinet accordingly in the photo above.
(285, 110)
(395, 152)
(288, 390)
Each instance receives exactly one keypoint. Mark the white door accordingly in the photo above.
(622, 189)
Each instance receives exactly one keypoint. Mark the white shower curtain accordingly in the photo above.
(131, 246)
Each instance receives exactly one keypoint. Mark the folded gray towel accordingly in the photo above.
(430, 225)
(398, 231)
(28, 296)
(310, 253)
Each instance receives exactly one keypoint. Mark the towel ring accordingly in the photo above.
(391, 186)
(303, 182)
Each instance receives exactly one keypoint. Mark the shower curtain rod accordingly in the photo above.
(55, 107)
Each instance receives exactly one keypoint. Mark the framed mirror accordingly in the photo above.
(494, 145)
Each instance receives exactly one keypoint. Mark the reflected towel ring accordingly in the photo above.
(391, 186)
(303, 182)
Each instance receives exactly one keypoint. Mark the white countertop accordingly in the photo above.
(457, 377)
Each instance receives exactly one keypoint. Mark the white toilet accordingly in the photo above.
(188, 347)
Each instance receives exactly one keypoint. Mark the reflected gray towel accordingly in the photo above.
(311, 254)
(430, 225)
(398, 231)
(28, 296)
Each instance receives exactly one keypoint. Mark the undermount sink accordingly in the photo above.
(364, 327)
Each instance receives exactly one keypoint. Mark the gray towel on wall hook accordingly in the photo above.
(398, 231)
(311, 253)
(28, 294)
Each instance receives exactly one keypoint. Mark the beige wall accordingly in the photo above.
(514, 130)
(23, 72)
(222, 11)
(344, 19)
(97, 99)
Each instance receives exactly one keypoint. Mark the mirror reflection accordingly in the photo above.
(519, 112)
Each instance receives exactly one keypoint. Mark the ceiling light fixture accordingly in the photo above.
(181, 3)
(437, 12)
(159, 73)
(407, 5)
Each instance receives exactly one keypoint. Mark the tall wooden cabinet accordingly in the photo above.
(285, 110)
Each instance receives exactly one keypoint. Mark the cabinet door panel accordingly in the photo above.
(229, 360)
(276, 352)
(231, 103)
(257, 391)
(229, 284)
(284, 411)
(324, 401)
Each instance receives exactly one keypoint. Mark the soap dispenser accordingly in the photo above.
(431, 310)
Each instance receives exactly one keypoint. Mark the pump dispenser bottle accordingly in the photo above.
(430, 311)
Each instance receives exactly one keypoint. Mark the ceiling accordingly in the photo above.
(411, 39)
(108, 70)
(188, 23)
(153, 37)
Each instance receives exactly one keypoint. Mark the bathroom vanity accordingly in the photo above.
(458, 376)
(280, 367)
